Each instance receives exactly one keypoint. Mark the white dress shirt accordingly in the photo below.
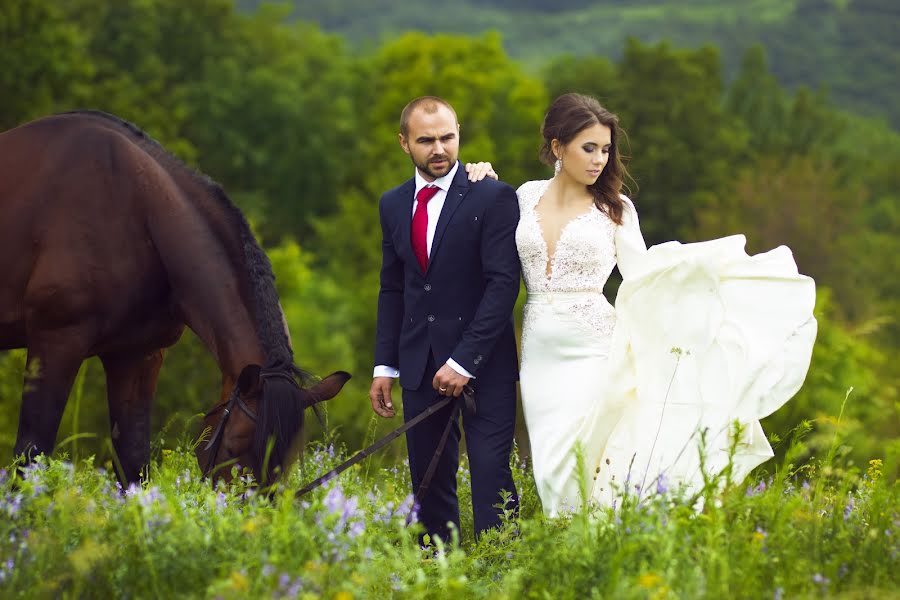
(434, 207)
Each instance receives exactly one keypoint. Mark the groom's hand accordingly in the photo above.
(448, 382)
(380, 395)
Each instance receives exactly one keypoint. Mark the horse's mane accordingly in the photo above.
(267, 311)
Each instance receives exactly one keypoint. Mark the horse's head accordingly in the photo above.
(260, 422)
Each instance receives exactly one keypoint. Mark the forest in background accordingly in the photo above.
(299, 126)
(847, 47)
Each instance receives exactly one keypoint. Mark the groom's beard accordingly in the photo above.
(431, 170)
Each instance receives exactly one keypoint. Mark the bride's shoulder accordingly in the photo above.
(531, 191)
(629, 204)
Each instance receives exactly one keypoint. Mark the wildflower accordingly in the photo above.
(662, 484)
(821, 580)
(3, 476)
(6, 569)
(150, 497)
(760, 535)
(779, 593)
(357, 529)
(759, 489)
(849, 508)
(13, 504)
(649, 580)
(407, 507)
(221, 502)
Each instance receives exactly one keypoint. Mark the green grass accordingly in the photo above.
(67, 531)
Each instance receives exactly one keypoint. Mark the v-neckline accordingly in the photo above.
(550, 261)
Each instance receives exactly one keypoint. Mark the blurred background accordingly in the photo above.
(778, 119)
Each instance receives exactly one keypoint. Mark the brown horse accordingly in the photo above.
(109, 246)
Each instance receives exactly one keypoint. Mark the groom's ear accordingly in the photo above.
(404, 143)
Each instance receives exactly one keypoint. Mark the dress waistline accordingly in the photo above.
(561, 297)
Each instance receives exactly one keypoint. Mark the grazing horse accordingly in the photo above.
(109, 247)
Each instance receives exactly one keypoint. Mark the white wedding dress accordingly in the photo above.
(702, 336)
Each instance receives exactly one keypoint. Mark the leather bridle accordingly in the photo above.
(227, 407)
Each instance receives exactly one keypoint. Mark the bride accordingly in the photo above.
(703, 342)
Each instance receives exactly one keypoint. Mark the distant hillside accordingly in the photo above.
(848, 46)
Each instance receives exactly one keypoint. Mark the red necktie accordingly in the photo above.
(420, 225)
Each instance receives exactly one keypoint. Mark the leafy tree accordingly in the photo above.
(45, 60)
(274, 121)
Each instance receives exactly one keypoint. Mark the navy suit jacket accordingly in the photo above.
(461, 306)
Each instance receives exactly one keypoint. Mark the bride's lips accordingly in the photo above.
(594, 173)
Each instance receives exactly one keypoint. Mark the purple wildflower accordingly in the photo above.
(221, 502)
(357, 529)
(779, 593)
(13, 504)
(151, 496)
(406, 507)
(3, 476)
(849, 508)
(821, 580)
(662, 484)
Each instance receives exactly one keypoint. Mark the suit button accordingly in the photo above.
(427, 287)
(431, 318)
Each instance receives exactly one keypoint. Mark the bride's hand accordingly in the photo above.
(480, 170)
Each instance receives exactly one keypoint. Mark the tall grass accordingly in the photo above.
(817, 529)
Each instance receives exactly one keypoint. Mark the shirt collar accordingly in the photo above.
(441, 182)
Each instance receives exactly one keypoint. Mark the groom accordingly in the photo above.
(449, 280)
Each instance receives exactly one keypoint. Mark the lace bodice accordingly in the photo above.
(589, 247)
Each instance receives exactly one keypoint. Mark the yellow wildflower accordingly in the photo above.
(239, 581)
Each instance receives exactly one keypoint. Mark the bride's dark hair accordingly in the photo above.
(568, 116)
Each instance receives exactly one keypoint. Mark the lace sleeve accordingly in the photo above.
(630, 245)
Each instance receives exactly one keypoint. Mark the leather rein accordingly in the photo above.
(466, 401)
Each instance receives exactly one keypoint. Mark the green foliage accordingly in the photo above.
(44, 58)
(275, 121)
(302, 133)
(69, 532)
(848, 46)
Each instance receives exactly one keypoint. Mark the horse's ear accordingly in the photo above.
(327, 388)
(248, 381)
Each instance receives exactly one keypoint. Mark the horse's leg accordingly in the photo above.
(130, 386)
(53, 362)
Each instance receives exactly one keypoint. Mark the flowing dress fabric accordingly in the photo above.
(702, 336)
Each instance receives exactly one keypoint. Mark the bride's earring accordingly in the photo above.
(557, 167)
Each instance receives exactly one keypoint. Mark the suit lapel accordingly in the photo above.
(455, 195)
(404, 217)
